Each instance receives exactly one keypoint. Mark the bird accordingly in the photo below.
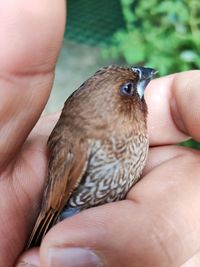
(98, 147)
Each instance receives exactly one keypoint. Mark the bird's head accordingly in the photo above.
(114, 94)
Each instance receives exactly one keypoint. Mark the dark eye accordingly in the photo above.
(127, 89)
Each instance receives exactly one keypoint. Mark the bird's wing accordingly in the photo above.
(66, 169)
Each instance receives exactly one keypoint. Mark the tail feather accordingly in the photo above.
(42, 226)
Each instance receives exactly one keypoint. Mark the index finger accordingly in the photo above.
(174, 110)
(32, 35)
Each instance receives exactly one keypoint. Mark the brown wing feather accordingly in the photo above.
(43, 224)
(65, 172)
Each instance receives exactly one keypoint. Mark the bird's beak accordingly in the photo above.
(145, 76)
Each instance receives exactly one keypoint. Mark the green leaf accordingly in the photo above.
(162, 34)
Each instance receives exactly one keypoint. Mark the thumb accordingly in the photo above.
(116, 234)
(93, 238)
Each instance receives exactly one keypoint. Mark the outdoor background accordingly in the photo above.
(164, 35)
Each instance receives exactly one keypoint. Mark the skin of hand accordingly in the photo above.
(157, 225)
(31, 36)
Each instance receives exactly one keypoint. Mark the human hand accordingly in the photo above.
(31, 35)
(158, 224)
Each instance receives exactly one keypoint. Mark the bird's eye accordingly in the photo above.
(127, 89)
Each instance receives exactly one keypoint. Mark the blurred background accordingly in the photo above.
(162, 34)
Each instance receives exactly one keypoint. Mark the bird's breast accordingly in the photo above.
(114, 166)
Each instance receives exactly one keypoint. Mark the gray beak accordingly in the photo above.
(145, 76)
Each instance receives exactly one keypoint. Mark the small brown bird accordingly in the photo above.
(98, 147)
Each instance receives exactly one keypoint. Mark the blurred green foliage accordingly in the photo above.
(191, 143)
(161, 34)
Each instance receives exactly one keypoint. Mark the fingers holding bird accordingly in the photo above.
(173, 104)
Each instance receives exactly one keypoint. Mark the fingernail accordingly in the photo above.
(73, 257)
(25, 264)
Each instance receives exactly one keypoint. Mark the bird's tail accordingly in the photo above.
(42, 226)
